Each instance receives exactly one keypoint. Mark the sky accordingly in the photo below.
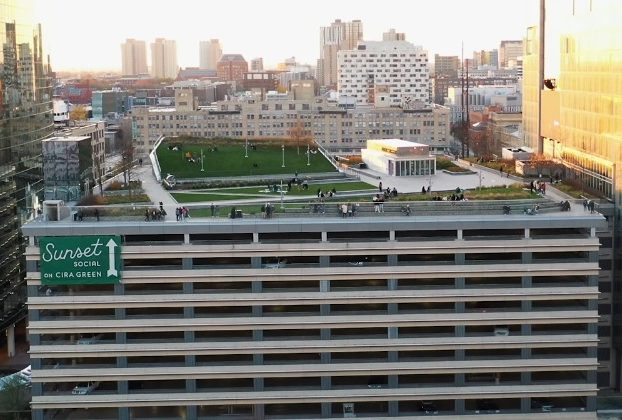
(87, 34)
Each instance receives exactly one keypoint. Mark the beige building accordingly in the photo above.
(335, 128)
(133, 57)
(338, 36)
(391, 35)
(164, 59)
(302, 90)
(209, 54)
(509, 51)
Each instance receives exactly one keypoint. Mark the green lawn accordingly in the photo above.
(257, 192)
(198, 197)
(229, 160)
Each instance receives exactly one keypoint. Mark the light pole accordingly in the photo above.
(202, 170)
(308, 156)
(283, 154)
(246, 149)
(281, 194)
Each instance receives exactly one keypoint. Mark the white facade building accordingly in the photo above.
(398, 65)
(395, 157)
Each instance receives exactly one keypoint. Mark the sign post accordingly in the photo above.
(80, 259)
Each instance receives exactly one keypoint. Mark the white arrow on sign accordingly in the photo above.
(112, 271)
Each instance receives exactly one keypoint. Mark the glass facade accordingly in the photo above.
(25, 119)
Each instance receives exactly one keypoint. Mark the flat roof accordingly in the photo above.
(398, 143)
(68, 138)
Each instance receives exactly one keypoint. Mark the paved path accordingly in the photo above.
(154, 189)
(441, 181)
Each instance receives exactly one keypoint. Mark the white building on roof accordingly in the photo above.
(397, 157)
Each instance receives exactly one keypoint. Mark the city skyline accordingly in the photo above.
(425, 24)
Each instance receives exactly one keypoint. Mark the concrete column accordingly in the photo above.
(324, 237)
(186, 238)
(123, 413)
(459, 233)
(391, 235)
(10, 340)
(255, 237)
(527, 233)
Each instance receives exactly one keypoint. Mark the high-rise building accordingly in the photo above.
(391, 35)
(133, 57)
(572, 113)
(231, 67)
(164, 59)
(209, 54)
(338, 36)
(257, 64)
(26, 118)
(446, 65)
(363, 69)
(455, 312)
(486, 58)
(508, 51)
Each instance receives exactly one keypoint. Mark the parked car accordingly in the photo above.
(486, 407)
(428, 407)
(542, 404)
(84, 388)
(501, 331)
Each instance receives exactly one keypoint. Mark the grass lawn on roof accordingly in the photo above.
(228, 160)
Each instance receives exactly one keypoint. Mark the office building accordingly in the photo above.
(335, 128)
(338, 36)
(133, 57)
(231, 68)
(571, 113)
(257, 64)
(487, 59)
(364, 68)
(450, 313)
(209, 54)
(26, 119)
(391, 35)
(164, 59)
(446, 65)
(264, 81)
(509, 51)
(106, 102)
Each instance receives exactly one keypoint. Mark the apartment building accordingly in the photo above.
(231, 67)
(338, 36)
(336, 129)
(399, 65)
(133, 57)
(450, 314)
(209, 54)
(164, 59)
(509, 51)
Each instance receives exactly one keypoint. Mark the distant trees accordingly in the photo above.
(78, 113)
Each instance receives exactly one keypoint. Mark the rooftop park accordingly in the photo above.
(189, 157)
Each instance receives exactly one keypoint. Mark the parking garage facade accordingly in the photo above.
(283, 318)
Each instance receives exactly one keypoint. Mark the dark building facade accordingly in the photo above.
(26, 118)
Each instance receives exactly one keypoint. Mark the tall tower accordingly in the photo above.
(164, 59)
(209, 54)
(26, 117)
(134, 57)
(338, 36)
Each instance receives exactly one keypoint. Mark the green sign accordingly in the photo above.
(80, 259)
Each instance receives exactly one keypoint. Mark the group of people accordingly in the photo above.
(538, 186)
(589, 205)
(378, 201)
(154, 214)
(181, 213)
(348, 210)
(328, 194)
